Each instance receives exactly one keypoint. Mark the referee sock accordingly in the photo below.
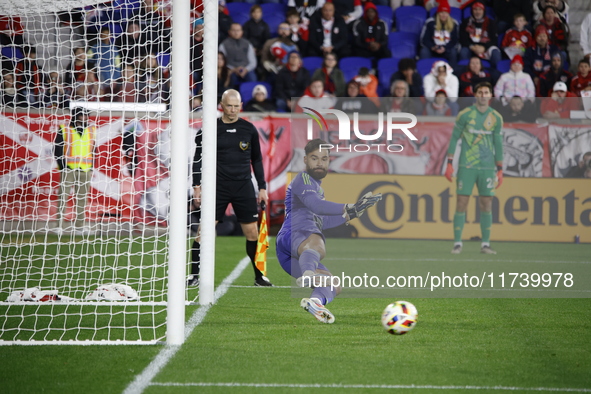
(459, 220)
(251, 251)
(485, 225)
(195, 262)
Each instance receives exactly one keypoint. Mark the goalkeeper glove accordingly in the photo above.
(449, 171)
(499, 176)
(368, 200)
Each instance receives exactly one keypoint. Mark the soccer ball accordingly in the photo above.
(399, 317)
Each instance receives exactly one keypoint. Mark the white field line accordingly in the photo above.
(253, 287)
(371, 386)
(451, 260)
(144, 379)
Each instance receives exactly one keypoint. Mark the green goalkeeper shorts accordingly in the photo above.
(485, 180)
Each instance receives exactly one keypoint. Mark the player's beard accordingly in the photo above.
(317, 173)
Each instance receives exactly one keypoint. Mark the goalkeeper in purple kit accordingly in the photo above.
(300, 242)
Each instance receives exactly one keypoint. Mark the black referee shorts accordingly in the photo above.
(242, 197)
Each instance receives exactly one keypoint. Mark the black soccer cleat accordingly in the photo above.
(262, 281)
(193, 281)
(457, 249)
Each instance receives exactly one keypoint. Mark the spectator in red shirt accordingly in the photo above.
(582, 81)
(478, 36)
(80, 68)
(561, 7)
(473, 75)
(29, 78)
(334, 80)
(560, 103)
(129, 89)
(517, 39)
(557, 30)
(11, 31)
(298, 31)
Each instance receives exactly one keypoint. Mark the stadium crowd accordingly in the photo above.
(318, 50)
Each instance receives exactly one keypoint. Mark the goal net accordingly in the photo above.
(85, 169)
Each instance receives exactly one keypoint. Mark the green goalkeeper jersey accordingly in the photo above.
(482, 138)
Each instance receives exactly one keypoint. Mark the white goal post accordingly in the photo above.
(97, 253)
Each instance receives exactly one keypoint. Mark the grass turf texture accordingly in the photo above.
(261, 335)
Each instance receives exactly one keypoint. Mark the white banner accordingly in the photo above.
(570, 151)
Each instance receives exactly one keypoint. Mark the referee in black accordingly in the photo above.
(238, 148)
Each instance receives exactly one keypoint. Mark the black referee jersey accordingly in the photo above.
(238, 147)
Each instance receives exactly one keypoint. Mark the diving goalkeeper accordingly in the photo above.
(300, 242)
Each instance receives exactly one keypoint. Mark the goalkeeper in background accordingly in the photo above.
(300, 242)
(481, 162)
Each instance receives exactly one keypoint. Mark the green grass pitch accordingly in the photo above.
(262, 336)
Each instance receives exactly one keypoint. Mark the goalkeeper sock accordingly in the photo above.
(324, 294)
(195, 249)
(485, 225)
(309, 260)
(459, 220)
(251, 251)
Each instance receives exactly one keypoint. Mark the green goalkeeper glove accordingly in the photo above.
(368, 200)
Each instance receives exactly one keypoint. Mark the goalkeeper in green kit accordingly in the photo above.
(481, 162)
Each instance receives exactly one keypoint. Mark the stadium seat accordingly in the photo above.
(240, 18)
(386, 67)
(311, 63)
(413, 26)
(246, 89)
(350, 66)
(163, 59)
(504, 65)
(12, 53)
(385, 13)
(500, 38)
(240, 12)
(410, 19)
(424, 65)
(273, 9)
(489, 12)
(402, 44)
(122, 10)
(455, 13)
(465, 62)
(274, 21)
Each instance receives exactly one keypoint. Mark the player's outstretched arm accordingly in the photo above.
(366, 201)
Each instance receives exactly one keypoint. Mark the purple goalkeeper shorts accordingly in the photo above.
(287, 251)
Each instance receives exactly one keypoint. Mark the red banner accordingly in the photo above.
(29, 180)
(133, 185)
(525, 147)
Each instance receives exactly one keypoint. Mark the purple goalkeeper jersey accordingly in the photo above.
(306, 209)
